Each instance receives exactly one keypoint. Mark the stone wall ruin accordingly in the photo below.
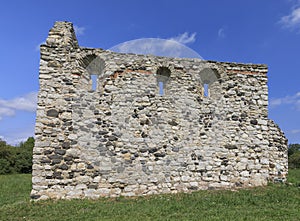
(150, 124)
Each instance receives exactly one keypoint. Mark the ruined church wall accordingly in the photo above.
(125, 139)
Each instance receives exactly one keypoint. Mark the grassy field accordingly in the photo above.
(274, 202)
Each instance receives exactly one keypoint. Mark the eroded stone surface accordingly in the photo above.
(127, 138)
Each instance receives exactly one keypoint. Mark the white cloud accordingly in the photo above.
(17, 135)
(221, 33)
(4, 111)
(156, 46)
(275, 102)
(24, 103)
(287, 100)
(292, 20)
(296, 131)
(79, 30)
(185, 38)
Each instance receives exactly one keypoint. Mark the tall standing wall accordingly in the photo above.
(152, 125)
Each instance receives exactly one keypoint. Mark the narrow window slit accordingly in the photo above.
(161, 88)
(94, 79)
(205, 90)
(163, 75)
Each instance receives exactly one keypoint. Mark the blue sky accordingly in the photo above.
(249, 31)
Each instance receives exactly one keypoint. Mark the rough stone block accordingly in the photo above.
(152, 125)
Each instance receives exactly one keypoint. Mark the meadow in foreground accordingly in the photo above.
(273, 202)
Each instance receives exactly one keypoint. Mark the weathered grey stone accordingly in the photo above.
(52, 113)
(60, 151)
(124, 138)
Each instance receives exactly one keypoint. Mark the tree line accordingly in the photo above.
(18, 159)
(294, 156)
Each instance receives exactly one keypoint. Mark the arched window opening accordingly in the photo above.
(96, 70)
(207, 77)
(163, 75)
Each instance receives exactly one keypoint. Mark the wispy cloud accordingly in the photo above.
(293, 135)
(293, 100)
(16, 135)
(292, 20)
(79, 30)
(23, 103)
(185, 38)
(296, 131)
(221, 33)
(156, 46)
(171, 47)
(4, 111)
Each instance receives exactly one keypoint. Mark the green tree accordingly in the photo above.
(28, 144)
(294, 160)
(5, 167)
(293, 148)
(6, 158)
(16, 159)
(294, 155)
(23, 163)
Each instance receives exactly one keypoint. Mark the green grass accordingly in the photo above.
(274, 202)
(294, 177)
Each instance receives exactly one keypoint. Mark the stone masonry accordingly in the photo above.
(151, 125)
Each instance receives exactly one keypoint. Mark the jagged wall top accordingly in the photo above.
(62, 35)
(126, 139)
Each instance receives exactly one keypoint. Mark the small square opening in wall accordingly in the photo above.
(94, 79)
(205, 90)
